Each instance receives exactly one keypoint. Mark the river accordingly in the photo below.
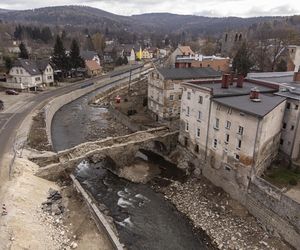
(144, 219)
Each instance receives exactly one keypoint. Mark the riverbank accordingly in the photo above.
(224, 220)
(26, 226)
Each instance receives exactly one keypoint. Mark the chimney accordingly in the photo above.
(254, 94)
(240, 81)
(297, 76)
(225, 81)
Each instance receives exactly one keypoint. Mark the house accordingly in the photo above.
(148, 53)
(93, 68)
(200, 61)
(180, 51)
(232, 127)
(28, 74)
(109, 54)
(90, 55)
(139, 54)
(165, 90)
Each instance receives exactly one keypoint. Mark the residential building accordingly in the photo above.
(26, 74)
(165, 90)
(232, 127)
(93, 68)
(200, 61)
(90, 55)
(147, 54)
(180, 51)
(293, 63)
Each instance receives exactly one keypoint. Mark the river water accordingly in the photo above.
(144, 219)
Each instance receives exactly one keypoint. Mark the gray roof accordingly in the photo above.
(188, 73)
(289, 88)
(32, 67)
(232, 90)
(88, 55)
(245, 104)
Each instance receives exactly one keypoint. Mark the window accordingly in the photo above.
(215, 143)
(229, 111)
(189, 95)
(296, 107)
(171, 97)
(284, 125)
(227, 138)
(237, 157)
(17, 71)
(239, 144)
(281, 141)
(170, 110)
(21, 71)
(241, 130)
(217, 123)
(37, 78)
(228, 124)
(292, 127)
(218, 107)
(186, 126)
(196, 148)
(198, 132)
(179, 97)
(200, 99)
(199, 115)
(187, 111)
(49, 77)
(288, 105)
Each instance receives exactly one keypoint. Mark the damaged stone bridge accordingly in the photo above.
(122, 150)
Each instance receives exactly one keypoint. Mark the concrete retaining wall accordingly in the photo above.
(53, 106)
(99, 218)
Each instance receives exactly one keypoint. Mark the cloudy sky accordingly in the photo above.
(243, 8)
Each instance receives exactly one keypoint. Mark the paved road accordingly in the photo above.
(10, 122)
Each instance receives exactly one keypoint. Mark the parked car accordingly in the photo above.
(1, 105)
(11, 92)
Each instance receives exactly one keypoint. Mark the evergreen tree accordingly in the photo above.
(242, 62)
(59, 57)
(75, 59)
(23, 51)
(8, 63)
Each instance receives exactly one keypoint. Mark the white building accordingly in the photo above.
(232, 129)
(180, 51)
(165, 90)
(26, 74)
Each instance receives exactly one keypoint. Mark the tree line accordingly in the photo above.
(35, 33)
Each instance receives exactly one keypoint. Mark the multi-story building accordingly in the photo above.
(200, 61)
(26, 74)
(180, 51)
(289, 83)
(232, 128)
(164, 89)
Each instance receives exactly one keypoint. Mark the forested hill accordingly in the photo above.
(92, 18)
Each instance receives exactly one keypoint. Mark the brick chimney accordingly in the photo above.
(225, 81)
(254, 94)
(240, 81)
(297, 76)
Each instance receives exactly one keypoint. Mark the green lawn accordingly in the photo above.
(283, 177)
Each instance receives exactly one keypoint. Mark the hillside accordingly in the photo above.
(92, 18)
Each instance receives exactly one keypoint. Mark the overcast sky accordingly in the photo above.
(243, 8)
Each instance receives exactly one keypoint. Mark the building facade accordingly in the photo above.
(26, 74)
(233, 130)
(165, 90)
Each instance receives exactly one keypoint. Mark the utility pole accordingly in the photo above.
(130, 72)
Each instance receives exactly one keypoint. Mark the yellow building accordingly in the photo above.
(139, 54)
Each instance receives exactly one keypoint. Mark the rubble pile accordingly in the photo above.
(210, 209)
(51, 213)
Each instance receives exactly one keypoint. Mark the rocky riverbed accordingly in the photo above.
(224, 220)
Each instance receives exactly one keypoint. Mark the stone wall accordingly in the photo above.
(275, 210)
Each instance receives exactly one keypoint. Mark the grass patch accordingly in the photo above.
(284, 177)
